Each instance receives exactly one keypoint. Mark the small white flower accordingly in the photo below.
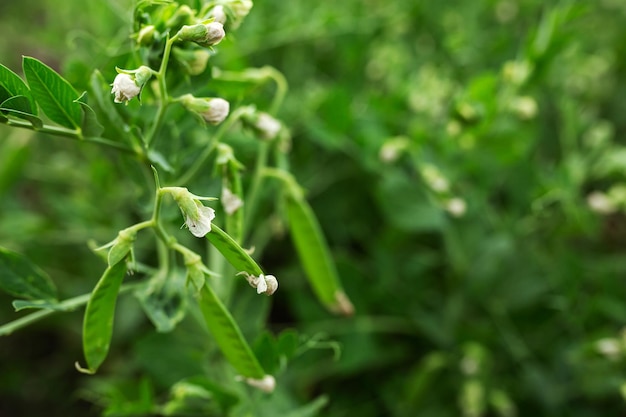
(230, 201)
(199, 223)
(609, 347)
(265, 384)
(264, 284)
(124, 88)
(267, 126)
(456, 206)
(218, 14)
(601, 203)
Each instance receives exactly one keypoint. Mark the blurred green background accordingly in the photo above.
(466, 160)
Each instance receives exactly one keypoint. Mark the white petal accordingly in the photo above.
(202, 225)
(261, 285)
(272, 284)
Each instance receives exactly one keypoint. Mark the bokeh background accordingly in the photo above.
(466, 160)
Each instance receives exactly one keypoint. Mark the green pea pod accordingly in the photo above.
(314, 254)
(98, 321)
(234, 254)
(228, 335)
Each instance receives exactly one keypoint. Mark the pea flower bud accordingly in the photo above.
(128, 83)
(263, 124)
(265, 384)
(146, 35)
(209, 34)
(218, 14)
(212, 110)
(194, 61)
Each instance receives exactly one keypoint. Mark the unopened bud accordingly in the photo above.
(209, 34)
(218, 14)
(194, 61)
(212, 110)
(265, 384)
(263, 124)
(128, 83)
(146, 35)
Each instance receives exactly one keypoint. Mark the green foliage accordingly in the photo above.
(21, 278)
(465, 161)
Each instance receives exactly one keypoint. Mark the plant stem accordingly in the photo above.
(253, 196)
(70, 304)
(215, 140)
(163, 96)
(72, 134)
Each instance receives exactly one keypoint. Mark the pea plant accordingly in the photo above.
(164, 112)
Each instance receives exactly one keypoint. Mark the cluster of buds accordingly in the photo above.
(213, 110)
(129, 83)
(231, 11)
(264, 284)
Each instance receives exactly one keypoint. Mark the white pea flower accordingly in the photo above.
(267, 126)
(456, 206)
(128, 83)
(124, 88)
(199, 223)
(197, 216)
(601, 203)
(264, 284)
(230, 201)
(218, 14)
(265, 384)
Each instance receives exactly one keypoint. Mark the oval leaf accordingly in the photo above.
(54, 94)
(12, 85)
(315, 256)
(164, 300)
(98, 321)
(21, 278)
(228, 335)
(234, 254)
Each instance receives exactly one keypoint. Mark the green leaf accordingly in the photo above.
(228, 335)
(98, 320)
(101, 93)
(21, 278)
(12, 85)
(54, 94)
(315, 255)
(90, 126)
(18, 106)
(164, 300)
(234, 254)
(38, 304)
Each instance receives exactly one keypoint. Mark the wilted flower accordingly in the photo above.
(212, 110)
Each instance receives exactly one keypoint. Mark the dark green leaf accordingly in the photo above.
(90, 126)
(54, 94)
(21, 278)
(228, 335)
(12, 85)
(100, 91)
(99, 314)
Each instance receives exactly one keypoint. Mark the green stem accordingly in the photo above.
(252, 200)
(281, 89)
(72, 134)
(215, 140)
(70, 304)
(163, 96)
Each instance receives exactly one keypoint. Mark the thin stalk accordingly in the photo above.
(72, 134)
(70, 304)
(252, 200)
(163, 96)
(215, 140)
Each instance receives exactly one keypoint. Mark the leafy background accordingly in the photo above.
(495, 312)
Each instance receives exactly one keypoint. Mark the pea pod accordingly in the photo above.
(234, 254)
(314, 254)
(98, 321)
(228, 335)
